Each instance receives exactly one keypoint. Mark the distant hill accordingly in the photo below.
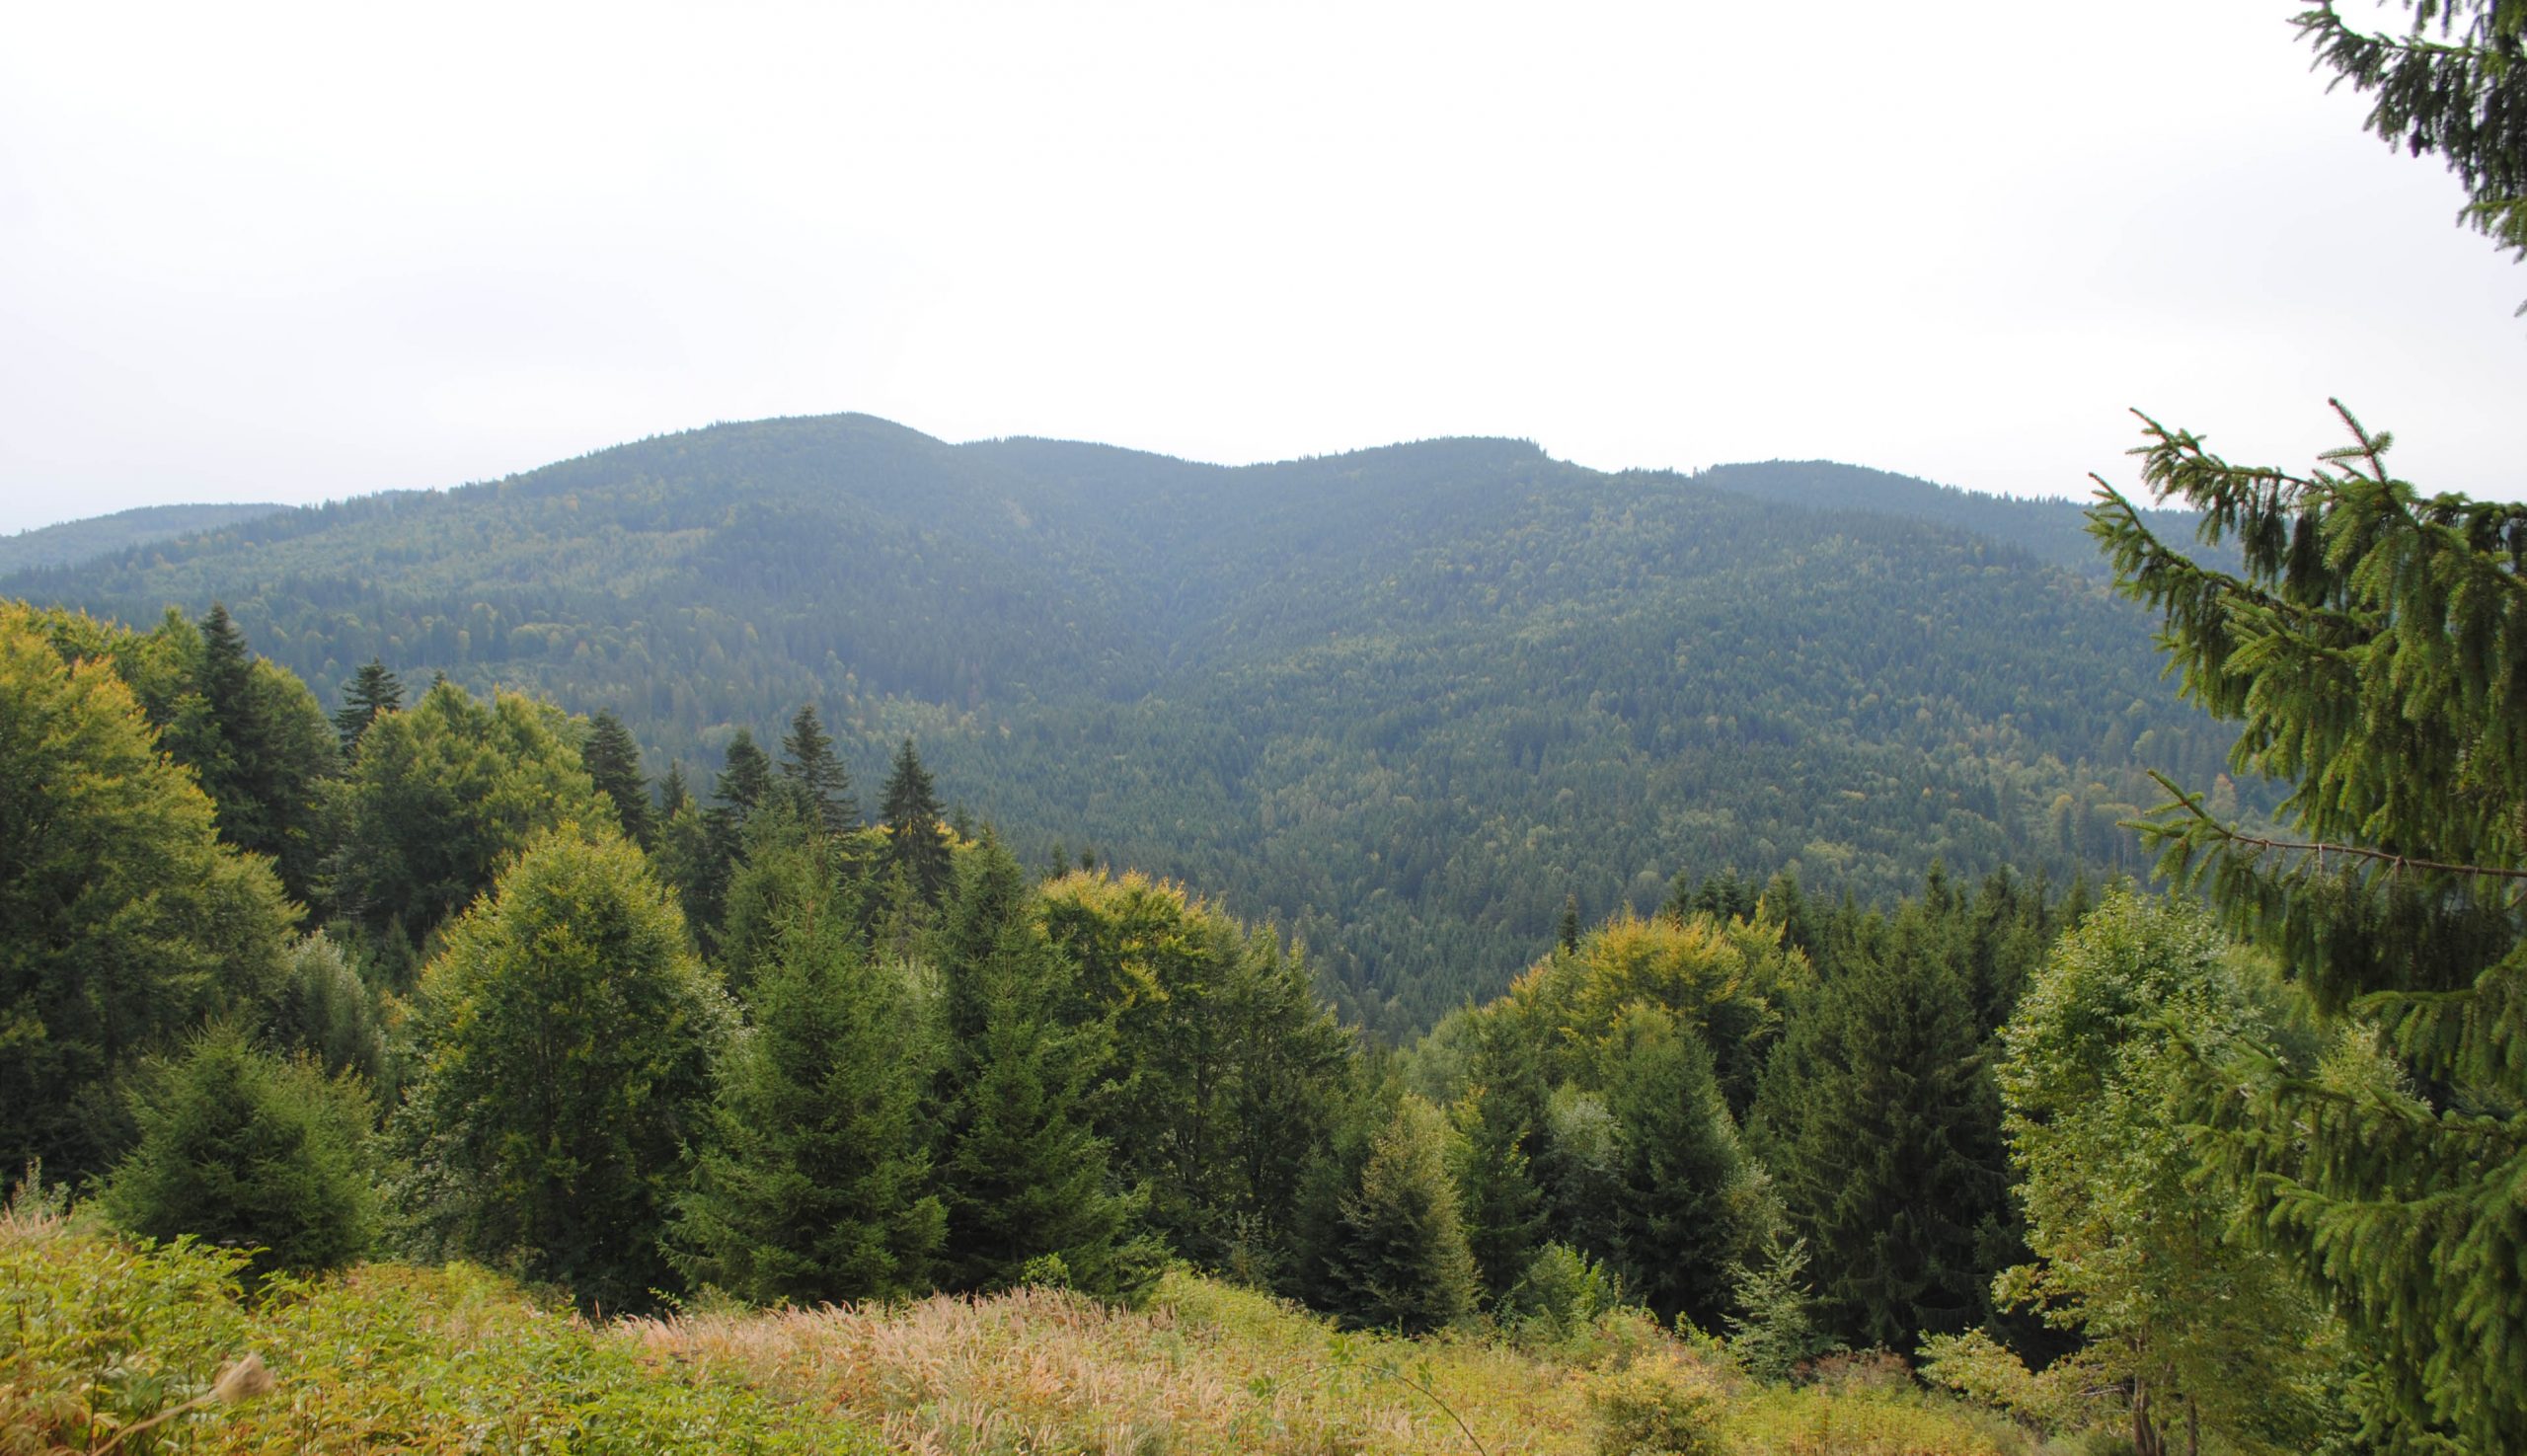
(73, 542)
(2054, 531)
(1404, 700)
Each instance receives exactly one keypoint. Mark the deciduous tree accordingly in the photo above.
(566, 1036)
(124, 922)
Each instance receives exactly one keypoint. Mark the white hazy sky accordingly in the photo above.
(254, 252)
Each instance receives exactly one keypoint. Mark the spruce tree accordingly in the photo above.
(816, 1184)
(1024, 1178)
(1362, 1097)
(1683, 1216)
(2461, 93)
(1774, 1331)
(1579, 1165)
(1878, 1119)
(686, 862)
(1498, 1120)
(808, 761)
(2370, 648)
(1786, 905)
(746, 779)
(232, 765)
(613, 762)
(370, 692)
(1404, 1265)
(260, 744)
(915, 840)
(240, 1147)
(326, 1012)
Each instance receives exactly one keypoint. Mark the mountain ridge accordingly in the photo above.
(71, 542)
(1403, 700)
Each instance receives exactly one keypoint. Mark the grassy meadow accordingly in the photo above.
(108, 1344)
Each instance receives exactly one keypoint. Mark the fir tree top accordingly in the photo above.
(372, 691)
(807, 760)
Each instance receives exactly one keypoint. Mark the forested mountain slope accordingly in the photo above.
(73, 542)
(1403, 700)
(2051, 530)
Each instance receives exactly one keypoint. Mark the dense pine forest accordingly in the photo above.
(1401, 703)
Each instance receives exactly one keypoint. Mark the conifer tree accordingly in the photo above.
(816, 1184)
(1362, 1098)
(2371, 649)
(1496, 1119)
(1404, 1264)
(2461, 93)
(1774, 1331)
(260, 744)
(744, 782)
(683, 857)
(230, 761)
(785, 866)
(1877, 1117)
(746, 779)
(914, 836)
(1579, 1165)
(808, 761)
(240, 1147)
(1783, 904)
(326, 1012)
(372, 691)
(1683, 1216)
(1025, 1180)
(613, 762)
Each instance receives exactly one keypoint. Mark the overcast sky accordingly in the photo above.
(251, 251)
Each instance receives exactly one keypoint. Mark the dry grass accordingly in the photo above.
(1209, 1368)
(1206, 1368)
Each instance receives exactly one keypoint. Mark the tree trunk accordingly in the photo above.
(2146, 1440)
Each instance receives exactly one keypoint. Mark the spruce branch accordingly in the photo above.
(2207, 826)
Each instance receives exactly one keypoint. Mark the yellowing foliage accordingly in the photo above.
(1724, 980)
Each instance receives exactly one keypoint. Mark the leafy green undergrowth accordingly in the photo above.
(99, 1336)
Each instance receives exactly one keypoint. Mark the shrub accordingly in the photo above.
(1662, 1405)
(242, 1149)
(1562, 1292)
